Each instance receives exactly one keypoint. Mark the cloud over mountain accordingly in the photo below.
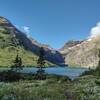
(26, 30)
(95, 31)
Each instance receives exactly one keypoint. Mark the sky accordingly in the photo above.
(54, 22)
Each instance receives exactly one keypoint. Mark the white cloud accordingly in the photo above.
(26, 30)
(95, 31)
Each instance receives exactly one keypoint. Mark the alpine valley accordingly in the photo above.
(74, 53)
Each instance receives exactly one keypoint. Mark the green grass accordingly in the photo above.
(53, 88)
(85, 88)
(50, 89)
(8, 51)
(8, 54)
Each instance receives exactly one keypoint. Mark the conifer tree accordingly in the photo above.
(17, 63)
(41, 59)
(40, 64)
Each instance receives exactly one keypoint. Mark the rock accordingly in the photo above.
(82, 53)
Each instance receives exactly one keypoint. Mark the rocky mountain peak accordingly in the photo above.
(70, 44)
(3, 20)
(84, 53)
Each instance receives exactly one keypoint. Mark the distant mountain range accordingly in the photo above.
(74, 53)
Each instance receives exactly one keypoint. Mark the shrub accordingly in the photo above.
(10, 76)
(40, 75)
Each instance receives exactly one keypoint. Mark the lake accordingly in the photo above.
(64, 71)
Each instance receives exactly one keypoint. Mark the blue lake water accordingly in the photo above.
(64, 71)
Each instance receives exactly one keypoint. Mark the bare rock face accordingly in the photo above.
(83, 53)
(16, 36)
(51, 54)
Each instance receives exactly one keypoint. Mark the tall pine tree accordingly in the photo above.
(41, 59)
(40, 75)
(17, 63)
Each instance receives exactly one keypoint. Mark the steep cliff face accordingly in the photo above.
(84, 54)
(11, 36)
(17, 35)
(51, 54)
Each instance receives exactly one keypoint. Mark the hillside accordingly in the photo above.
(82, 54)
(13, 40)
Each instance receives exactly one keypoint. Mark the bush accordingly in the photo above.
(89, 72)
(10, 76)
(40, 75)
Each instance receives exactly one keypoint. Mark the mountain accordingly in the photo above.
(51, 54)
(74, 53)
(13, 40)
(82, 53)
(70, 44)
